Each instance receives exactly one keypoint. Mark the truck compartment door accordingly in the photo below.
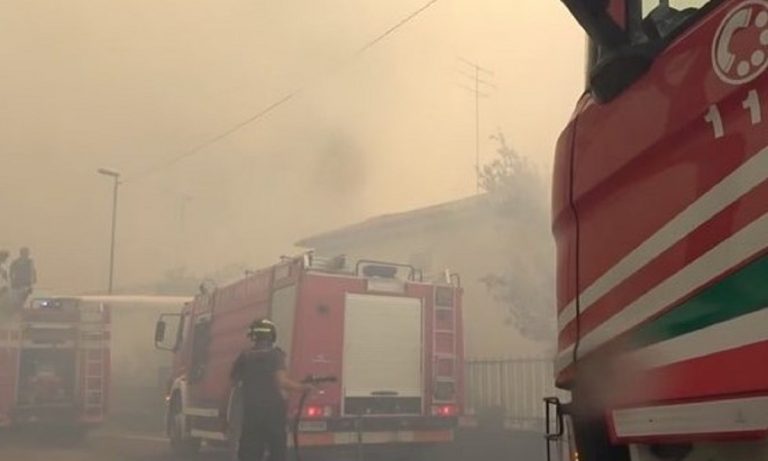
(383, 354)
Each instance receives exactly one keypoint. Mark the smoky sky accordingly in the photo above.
(130, 84)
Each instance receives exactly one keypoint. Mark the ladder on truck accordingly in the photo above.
(93, 337)
(444, 345)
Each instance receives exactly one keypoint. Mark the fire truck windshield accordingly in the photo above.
(650, 20)
(663, 18)
(631, 31)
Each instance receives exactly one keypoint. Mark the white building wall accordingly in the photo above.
(470, 247)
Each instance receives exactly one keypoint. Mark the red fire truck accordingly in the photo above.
(660, 198)
(392, 340)
(54, 364)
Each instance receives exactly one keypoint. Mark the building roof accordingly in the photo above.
(386, 224)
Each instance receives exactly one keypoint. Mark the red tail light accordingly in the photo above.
(445, 410)
(313, 411)
(317, 411)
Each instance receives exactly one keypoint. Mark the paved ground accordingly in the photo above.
(112, 445)
(97, 447)
(122, 446)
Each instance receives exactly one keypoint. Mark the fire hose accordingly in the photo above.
(311, 379)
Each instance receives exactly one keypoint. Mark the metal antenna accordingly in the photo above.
(479, 83)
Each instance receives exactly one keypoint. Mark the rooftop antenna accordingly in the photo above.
(479, 83)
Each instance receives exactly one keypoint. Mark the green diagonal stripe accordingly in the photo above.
(740, 293)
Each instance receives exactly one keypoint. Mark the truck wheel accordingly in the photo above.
(591, 431)
(182, 445)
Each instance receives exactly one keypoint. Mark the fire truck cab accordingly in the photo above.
(392, 340)
(660, 192)
(54, 364)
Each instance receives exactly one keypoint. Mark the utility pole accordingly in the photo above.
(181, 240)
(184, 199)
(116, 181)
(479, 83)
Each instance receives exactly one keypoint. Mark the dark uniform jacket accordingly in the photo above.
(256, 370)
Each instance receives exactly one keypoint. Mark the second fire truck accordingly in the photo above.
(54, 365)
(392, 340)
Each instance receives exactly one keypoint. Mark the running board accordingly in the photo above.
(210, 435)
(309, 439)
(203, 412)
(350, 438)
(745, 417)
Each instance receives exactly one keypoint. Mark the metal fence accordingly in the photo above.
(514, 387)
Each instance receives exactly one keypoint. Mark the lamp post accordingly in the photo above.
(116, 179)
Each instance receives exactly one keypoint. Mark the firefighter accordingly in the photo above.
(5, 285)
(261, 370)
(23, 277)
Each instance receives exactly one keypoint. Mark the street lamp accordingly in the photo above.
(116, 177)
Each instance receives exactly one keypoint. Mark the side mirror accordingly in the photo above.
(159, 332)
(594, 18)
(168, 340)
(619, 68)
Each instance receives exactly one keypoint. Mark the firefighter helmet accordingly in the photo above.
(262, 329)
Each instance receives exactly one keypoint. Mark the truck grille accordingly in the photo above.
(382, 406)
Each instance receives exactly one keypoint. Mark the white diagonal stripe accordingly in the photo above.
(727, 254)
(743, 179)
(738, 332)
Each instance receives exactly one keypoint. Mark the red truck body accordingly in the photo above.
(54, 364)
(393, 342)
(660, 212)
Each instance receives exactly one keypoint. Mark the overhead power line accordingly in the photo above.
(479, 84)
(214, 139)
(275, 105)
(398, 25)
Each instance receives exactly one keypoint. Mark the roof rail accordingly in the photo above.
(446, 277)
(336, 263)
(414, 275)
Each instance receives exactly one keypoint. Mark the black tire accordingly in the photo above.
(182, 445)
(591, 431)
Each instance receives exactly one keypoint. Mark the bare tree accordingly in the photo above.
(526, 287)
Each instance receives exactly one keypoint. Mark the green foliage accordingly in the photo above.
(526, 287)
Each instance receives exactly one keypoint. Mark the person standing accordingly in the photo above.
(5, 283)
(262, 374)
(23, 276)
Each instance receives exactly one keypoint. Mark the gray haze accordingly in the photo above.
(130, 84)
